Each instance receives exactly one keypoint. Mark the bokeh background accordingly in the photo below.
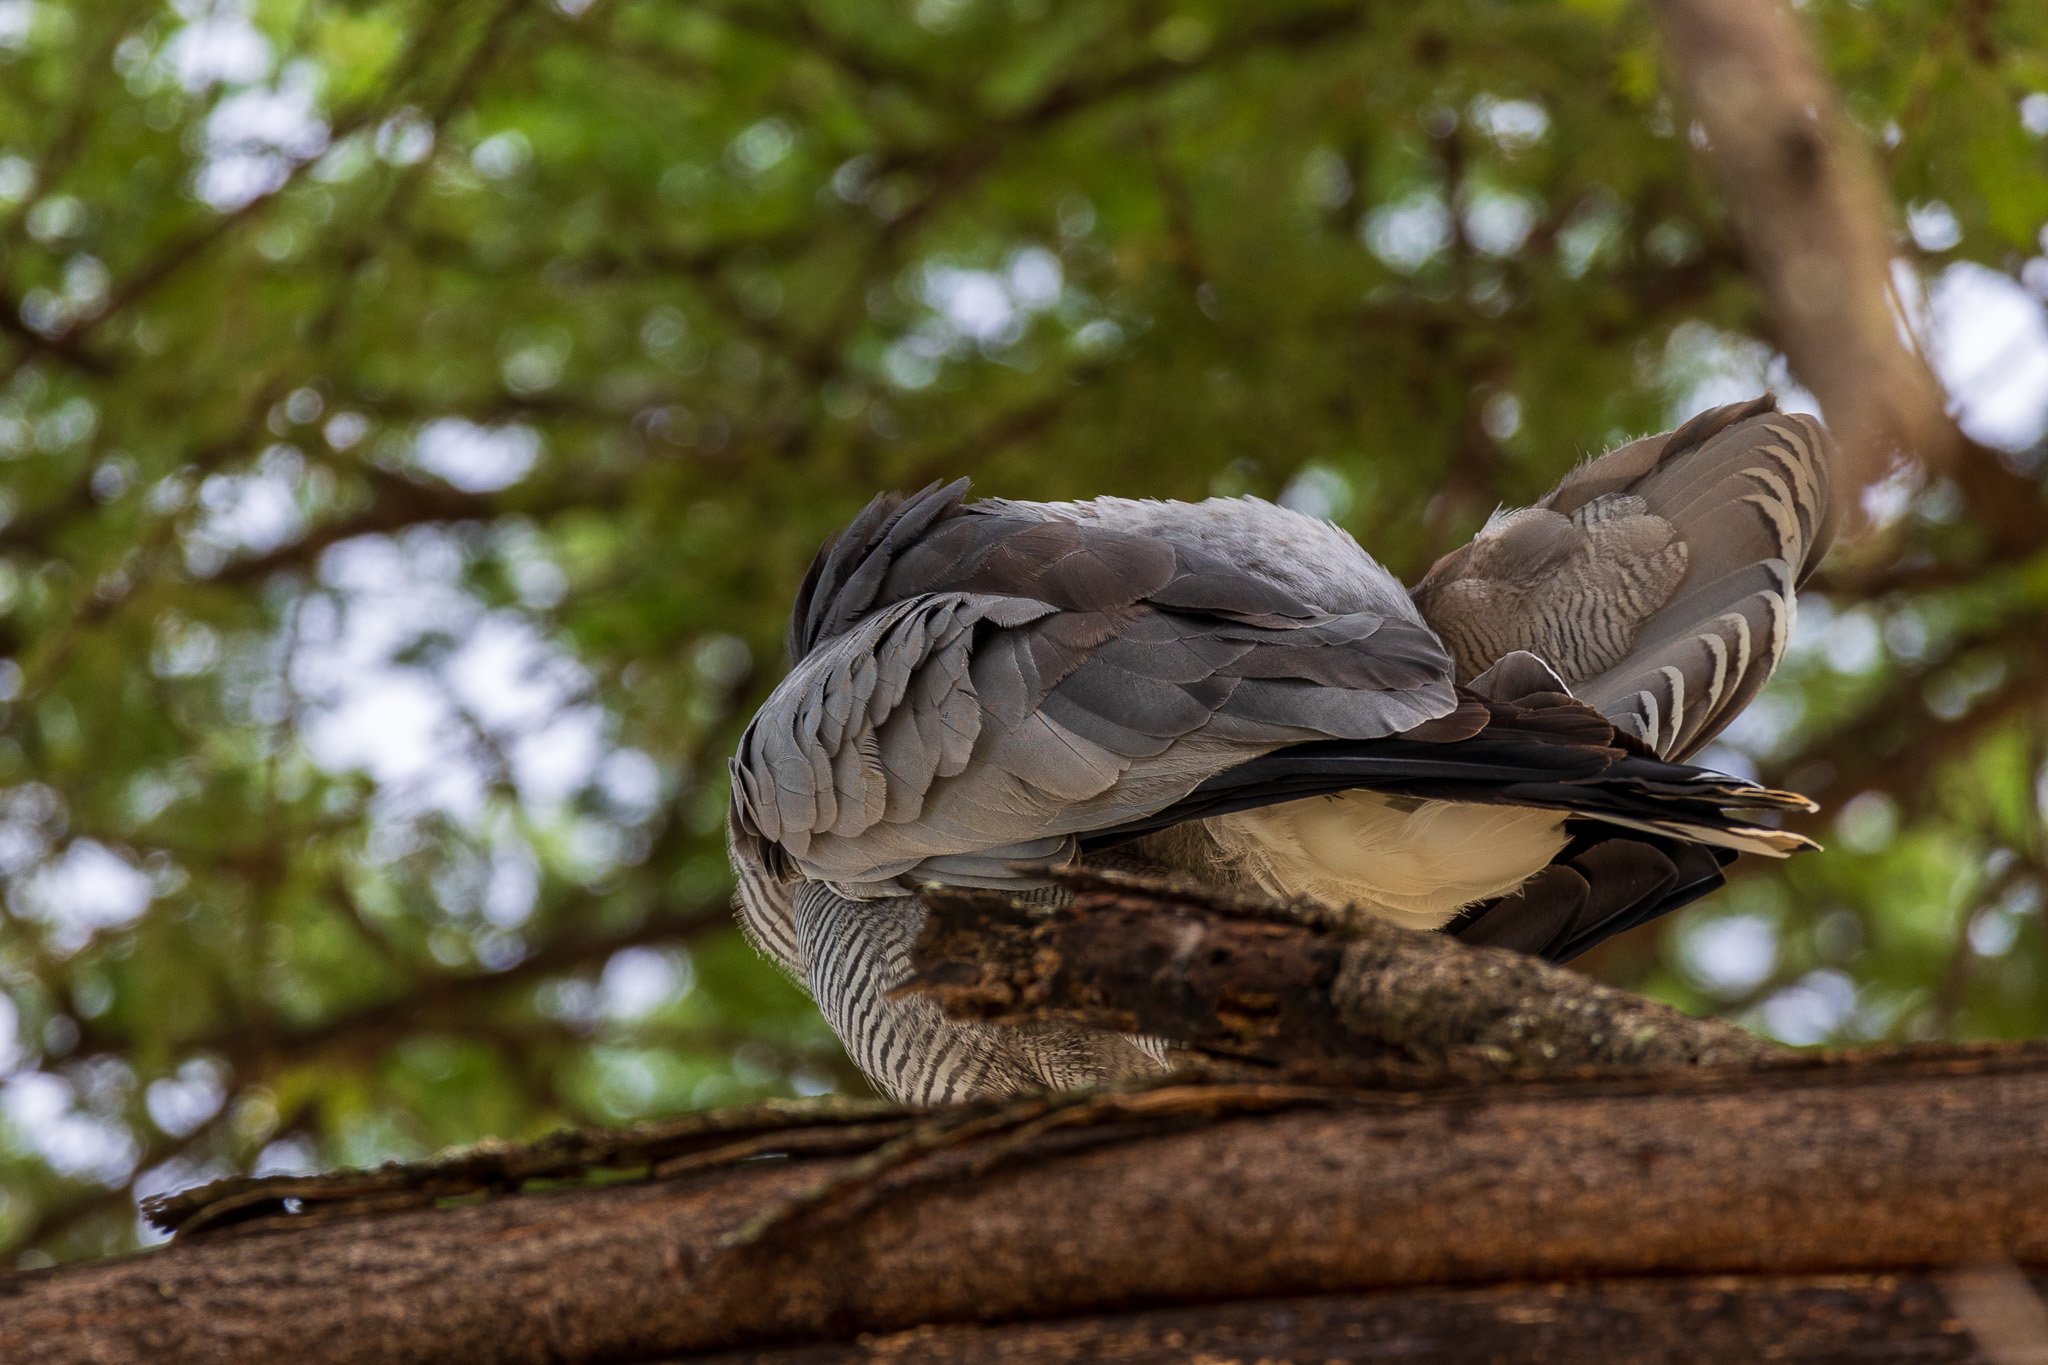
(415, 414)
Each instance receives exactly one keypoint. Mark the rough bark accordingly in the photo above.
(1298, 985)
(1814, 225)
(1684, 1318)
(1876, 1164)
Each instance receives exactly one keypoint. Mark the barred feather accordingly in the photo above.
(1657, 580)
(1239, 691)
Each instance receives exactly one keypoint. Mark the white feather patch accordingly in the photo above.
(1414, 863)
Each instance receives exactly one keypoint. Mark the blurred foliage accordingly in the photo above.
(415, 416)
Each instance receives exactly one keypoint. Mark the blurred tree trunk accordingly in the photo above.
(1816, 232)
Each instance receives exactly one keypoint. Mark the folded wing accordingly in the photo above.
(978, 687)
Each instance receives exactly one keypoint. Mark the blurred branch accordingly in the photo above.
(1896, 744)
(69, 351)
(157, 271)
(1814, 224)
(798, 28)
(397, 503)
(1293, 33)
(1008, 428)
(58, 1218)
(438, 996)
(364, 1029)
(1952, 991)
(172, 259)
(67, 140)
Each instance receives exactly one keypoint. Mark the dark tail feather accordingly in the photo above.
(1600, 886)
(1648, 836)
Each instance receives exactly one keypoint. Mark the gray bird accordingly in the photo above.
(1239, 693)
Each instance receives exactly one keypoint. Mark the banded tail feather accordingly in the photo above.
(1658, 580)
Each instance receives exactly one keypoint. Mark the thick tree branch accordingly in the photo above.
(1238, 980)
(1813, 222)
(428, 1004)
(1191, 1194)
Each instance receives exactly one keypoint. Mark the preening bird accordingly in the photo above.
(1239, 693)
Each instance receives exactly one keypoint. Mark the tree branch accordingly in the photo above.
(370, 1027)
(1813, 222)
(1301, 985)
(1182, 1195)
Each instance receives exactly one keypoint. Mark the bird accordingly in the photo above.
(981, 691)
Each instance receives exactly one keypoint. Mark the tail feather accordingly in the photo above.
(1658, 579)
(1645, 834)
(1522, 756)
(1603, 884)
(1771, 843)
(1751, 503)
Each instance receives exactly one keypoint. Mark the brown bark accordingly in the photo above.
(1814, 225)
(1684, 1318)
(1239, 980)
(1855, 1166)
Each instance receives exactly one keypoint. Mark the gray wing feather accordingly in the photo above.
(1016, 682)
(1657, 580)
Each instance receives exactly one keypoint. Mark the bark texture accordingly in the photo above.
(1300, 984)
(1877, 1164)
(1715, 1319)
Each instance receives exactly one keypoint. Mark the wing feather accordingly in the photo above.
(976, 686)
(1657, 580)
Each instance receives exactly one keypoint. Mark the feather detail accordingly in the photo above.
(1658, 579)
(979, 690)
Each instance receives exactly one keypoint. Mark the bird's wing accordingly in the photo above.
(1658, 579)
(976, 687)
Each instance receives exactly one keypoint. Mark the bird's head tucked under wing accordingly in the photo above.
(1236, 691)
